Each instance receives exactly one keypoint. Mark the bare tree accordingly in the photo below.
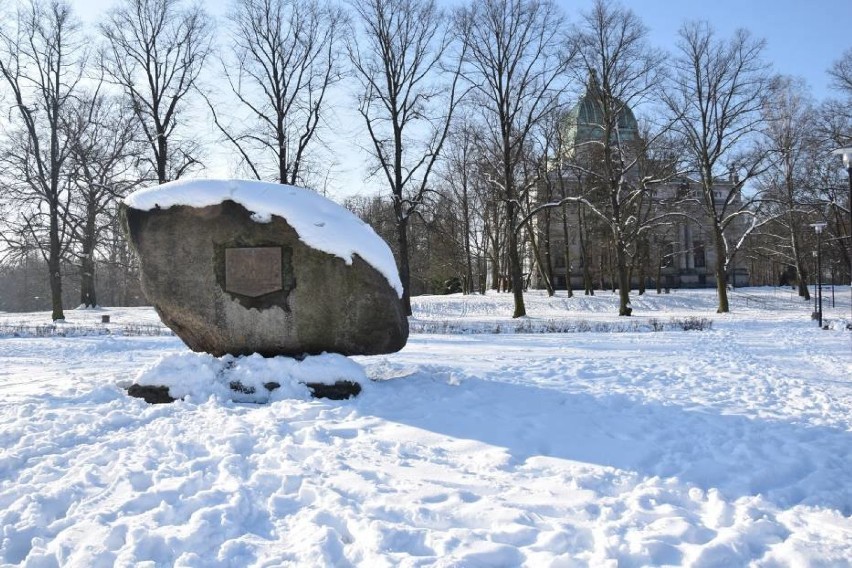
(286, 56)
(516, 63)
(542, 157)
(789, 118)
(624, 72)
(837, 116)
(832, 185)
(465, 176)
(397, 59)
(42, 56)
(155, 52)
(556, 187)
(716, 97)
(458, 174)
(841, 73)
(105, 160)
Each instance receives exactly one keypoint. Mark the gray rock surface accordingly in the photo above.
(227, 284)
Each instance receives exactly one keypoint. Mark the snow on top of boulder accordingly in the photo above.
(321, 223)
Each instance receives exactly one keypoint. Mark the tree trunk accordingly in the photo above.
(468, 286)
(548, 260)
(493, 240)
(588, 289)
(162, 153)
(567, 253)
(404, 268)
(496, 283)
(88, 297)
(624, 308)
(797, 259)
(721, 275)
(546, 276)
(614, 279)
(588, 284)
(282, 161)
(54, 266)
(515, 273)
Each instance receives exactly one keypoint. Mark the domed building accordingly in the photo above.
(573, 244)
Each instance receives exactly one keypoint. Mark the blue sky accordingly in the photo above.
(803, 37)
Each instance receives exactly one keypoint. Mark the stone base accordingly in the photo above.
(341, 390)
(151, 394)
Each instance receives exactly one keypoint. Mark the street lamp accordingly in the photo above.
(846, 153)
(818, 227)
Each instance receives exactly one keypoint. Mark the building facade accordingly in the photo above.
(574, 245)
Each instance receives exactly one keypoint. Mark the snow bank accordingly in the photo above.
(200, 376)
(321, 223)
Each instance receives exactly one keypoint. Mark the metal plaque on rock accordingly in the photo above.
(253, 271)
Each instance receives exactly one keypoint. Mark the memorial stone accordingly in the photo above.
(238, 267)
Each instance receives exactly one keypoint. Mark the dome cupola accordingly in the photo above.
(585, 121)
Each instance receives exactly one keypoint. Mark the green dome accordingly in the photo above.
(584, 122)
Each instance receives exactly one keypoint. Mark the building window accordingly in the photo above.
(698, 254)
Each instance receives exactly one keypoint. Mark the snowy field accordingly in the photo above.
(618, 447)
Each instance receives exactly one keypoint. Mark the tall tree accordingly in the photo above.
(789, 119)
(398, 57)
(834, 130)
(516, 63)
(458, 174)
(556, 185)
(155, 50)
(837, 119)
(285, 57)
(104, 165)
(42, 57)
(624, 72)
(716, 97)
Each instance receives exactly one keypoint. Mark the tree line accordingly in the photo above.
(466, 114)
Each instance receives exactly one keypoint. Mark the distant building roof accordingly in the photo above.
(585, 121)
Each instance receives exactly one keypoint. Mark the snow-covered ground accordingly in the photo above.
(725, 447)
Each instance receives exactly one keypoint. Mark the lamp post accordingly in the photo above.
(846, 153)
(813, 315)
(832, 284)
(818, 227)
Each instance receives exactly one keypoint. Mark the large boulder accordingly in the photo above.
(237, 267)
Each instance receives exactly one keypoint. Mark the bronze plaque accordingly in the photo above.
(253, 271)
